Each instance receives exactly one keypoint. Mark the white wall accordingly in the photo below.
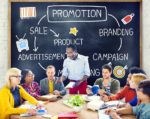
(146, 36)
(4, 38)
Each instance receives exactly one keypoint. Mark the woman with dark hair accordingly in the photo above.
(31, 86)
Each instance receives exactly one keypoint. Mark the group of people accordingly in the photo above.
(47, 85)
(20, 86)
(137, 97)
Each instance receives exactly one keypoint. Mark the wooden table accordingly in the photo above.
(54, 108)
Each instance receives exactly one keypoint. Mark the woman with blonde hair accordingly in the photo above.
(11, 96)
(134, 82)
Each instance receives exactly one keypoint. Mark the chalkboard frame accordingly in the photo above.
(9, 21)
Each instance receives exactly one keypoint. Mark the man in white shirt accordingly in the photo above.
(76, 69)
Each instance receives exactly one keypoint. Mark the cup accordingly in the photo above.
(95, 89)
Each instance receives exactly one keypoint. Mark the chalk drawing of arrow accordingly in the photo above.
(125, 67)
(55, 34)
(109, 63)
(41, 19)
(114, 19)
(118, 26)
(35, 48)
(41, 66)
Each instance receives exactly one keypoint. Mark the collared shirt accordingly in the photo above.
(33, 89)
(16, 94)
(142, 111)
(76, 69)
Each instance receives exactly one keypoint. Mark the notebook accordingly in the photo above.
(102, 115)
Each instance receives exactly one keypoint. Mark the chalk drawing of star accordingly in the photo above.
(73, 31)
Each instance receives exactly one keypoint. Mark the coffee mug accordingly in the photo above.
(95, 89)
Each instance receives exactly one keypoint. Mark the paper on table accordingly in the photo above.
(91, 98)
(70, 85)
(38, 112)
(66, 103)
(28, 105)
(110, 104)
(25, 115)
(42, 102)
(94, 105)
(102, 115)
(115, 103)
(47, 116)
(49, 96)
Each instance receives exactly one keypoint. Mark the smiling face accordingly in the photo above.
(106, 73)
(29, 77)
(50, 72)
(15, 79)
(70, 53)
